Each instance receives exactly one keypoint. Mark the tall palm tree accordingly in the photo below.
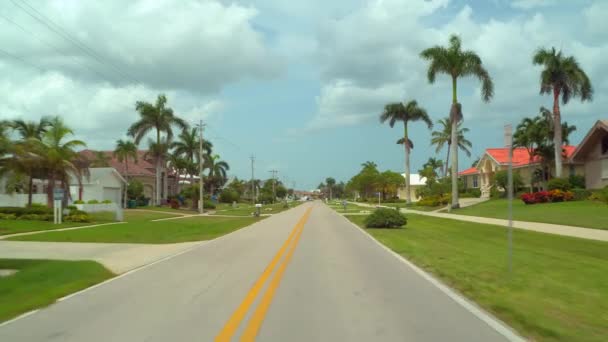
(217, 172)
(369, 164)
(561, 76)
(527, 135)
(443, 137)
(330, 182)
(160, 118)
(159, 152)
(58, 155)
(124, 150)
(187, 145)
(394, 112)
(31, 129)
(434, 163)
(456, 63)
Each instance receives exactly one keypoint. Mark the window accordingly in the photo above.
(475, 181)
(605, 145)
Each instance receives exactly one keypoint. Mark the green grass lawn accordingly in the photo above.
(350, 208)
(144, 216)
(40, 282)
(248, 209)
(558, 290)
(576, 213)
(172, 231)
(183, 210)
(24, 226)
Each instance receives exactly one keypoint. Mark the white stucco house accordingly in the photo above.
(104, 184)
(416, 181)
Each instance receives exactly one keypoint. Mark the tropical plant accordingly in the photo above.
(159, 152)
(161, 119)
(187, 145)
(330, 183)
(561, 77)
(456, 63)
(399, 112)
(100, 159)
(218, 170)
(443, 137)
(124, 150)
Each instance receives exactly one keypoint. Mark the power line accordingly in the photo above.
(21, 60)
(54, 27)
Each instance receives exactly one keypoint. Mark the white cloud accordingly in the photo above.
(529, 4)
(595, 16)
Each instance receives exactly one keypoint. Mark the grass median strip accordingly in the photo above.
(39, 283)
(557, 291)
(235, 319)
(183, 230)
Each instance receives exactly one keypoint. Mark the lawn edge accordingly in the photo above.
(34, 232)
(495, 323)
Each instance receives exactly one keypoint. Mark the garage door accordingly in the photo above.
(112, 194)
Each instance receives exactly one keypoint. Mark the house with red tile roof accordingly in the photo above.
(481, 176)
(592, 152)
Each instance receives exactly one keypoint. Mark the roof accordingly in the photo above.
(521, 157)
(415, 179)
(142, 168)
(469, 171)
(590, 139)
(95, 173)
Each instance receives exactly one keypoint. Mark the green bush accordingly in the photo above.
(135, 189)
(577, 182)
(71, 207)
(600, 195)
(229, 196)
(79, 202)
(385, 218)
(36, 217)
(19, 211)
(580, 194)
(77, 218)
(106, 202)
(559, 184)
(93, 202)
(7, 216)
(495, 193)
(501, 179)
(208, 204)
(38, 205)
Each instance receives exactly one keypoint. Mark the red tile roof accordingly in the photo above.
(520, 157)
(142, 168)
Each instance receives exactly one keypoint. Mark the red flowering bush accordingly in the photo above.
(528, 198)
(547, 196)
(542, 196)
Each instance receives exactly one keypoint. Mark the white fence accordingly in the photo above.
(20, 200)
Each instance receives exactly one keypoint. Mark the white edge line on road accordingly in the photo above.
(478, 312)
(206, 242)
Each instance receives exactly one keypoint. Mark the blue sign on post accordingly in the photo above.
(58, 194)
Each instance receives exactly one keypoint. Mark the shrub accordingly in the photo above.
(71, 207)
(38, 205)
(135, 189)
(229, 196)
(501, 179)
(208, 204)
(577, 181)
(528, 198)
(559, 184)
(19, 211)
(547, 196)
(106, 202)
(7, 216)
(580, 194)
(93, 201)
(78, 212)
(385, 218)
(77, 218)
(600, 195)
(36, 217)
(79, 202)
(174, 204)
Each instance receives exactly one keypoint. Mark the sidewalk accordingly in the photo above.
(578, 232)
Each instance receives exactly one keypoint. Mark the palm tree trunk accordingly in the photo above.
(49, 190)
(127, 184)
(447, 161)
(157, 194)
(406, 144)
(557, 134)
(454, 122)
(30, 188)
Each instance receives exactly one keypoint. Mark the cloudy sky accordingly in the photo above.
(299, 84)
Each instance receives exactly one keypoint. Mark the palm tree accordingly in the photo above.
(155, 117)
(330, 182)
(187, 145)
(160, 153)
(561, 76)
(58, 155)
(444, 136)
(434, 163)
(527, 136)
(405, 113)
(456, 63)
(217, 172)
(369, 164)
(31, 129)
(124, 150)
(100, 159)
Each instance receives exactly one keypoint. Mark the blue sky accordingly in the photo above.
(298, 84)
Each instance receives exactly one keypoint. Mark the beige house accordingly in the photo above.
(481, 176)
(415, 182)
(593, 154)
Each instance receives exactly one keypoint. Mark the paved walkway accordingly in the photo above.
(117, 257)
(579, 232)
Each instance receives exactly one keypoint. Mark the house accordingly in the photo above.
(103, 184)
(416, 181)
(481, 176)
(592, 153)
(144, 170)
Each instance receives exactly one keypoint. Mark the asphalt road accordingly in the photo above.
(303, 275)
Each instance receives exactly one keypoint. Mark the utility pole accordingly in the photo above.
(201, 206)
(509, 144)
(274, 182)
(253, 197)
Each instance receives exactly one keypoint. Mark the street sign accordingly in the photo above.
(58, 194)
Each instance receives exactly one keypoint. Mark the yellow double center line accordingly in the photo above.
(255, 322)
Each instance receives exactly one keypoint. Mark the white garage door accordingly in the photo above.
(112, 194)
